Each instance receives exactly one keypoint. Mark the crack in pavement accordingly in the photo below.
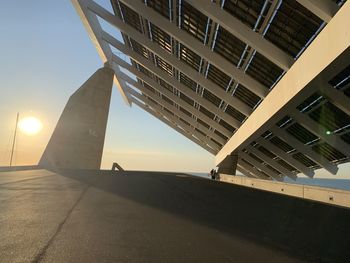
(42, 252)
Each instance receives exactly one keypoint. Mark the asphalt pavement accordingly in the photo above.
(105, 216)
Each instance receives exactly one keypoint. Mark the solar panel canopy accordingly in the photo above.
(265, 80)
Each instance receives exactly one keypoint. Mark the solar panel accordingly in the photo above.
(211, 98)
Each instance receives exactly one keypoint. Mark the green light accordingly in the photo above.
(328, 132)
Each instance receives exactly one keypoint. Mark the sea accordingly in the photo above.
(343, 184)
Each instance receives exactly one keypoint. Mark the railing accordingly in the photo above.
(315, 193)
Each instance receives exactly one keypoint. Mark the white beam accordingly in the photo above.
(175, 120)
(300, 147)
(287, 158)
(167, 122)
(170, 58)
(260, 166)
(176, 111)
(195, 112)
(196, 46)
(324, 9)
(176, 84)
(298, 82)
(244, 172)
(184, 105)
(174, 61)
(273, 163)
(337, 98)
(255, 172)
(247, 170)
(244, 33)
(320, 131)
(94, 29)
(170, 95)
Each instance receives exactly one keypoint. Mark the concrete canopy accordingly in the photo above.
(268, 81)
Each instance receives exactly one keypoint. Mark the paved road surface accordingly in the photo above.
(152, 217)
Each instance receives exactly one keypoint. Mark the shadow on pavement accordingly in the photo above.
(301, 228)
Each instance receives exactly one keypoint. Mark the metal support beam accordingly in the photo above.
(244, 33)
(260, 166)
(337, 98)
(324, 9)
(167, 122)
(321, 132)
(176, 84)
(170, 58)
(94, 28)
(175, 110)
(197, 47)
(287, 158)
(255, 172)
(317, 158)
(176, 120)
(172, 96)
(296, 84)
(273, 163)
(244, 171)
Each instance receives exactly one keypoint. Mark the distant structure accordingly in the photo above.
(263, 85)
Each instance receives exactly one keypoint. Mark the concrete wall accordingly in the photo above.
(78, 139)
(320, 194)
(18, 168)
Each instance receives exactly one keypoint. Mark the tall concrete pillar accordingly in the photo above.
(78, 139)
(228, 165)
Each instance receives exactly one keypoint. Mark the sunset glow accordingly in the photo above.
(30, 125)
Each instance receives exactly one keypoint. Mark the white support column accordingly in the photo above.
(176, 84)
(244, 33)
(298, 83)
(287, 158)
(176, 120)
(324, 9)
(173, 97)
(228, 165)
(177, 112)
(167, 122)
(94, 30)
(320, 131)
(260, 166)
(273, 163)
(317, 158)
(196, 46)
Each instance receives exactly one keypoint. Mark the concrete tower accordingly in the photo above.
(78, 139)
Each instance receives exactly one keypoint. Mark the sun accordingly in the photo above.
(30, 125)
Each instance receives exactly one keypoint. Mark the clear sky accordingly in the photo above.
(45, 55)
